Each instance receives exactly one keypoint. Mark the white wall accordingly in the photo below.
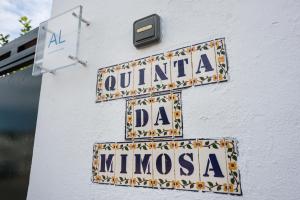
(259, 105)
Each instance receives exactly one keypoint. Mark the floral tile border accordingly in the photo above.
(234, 185)
(221, 58)
(232, 181)
(220, 75)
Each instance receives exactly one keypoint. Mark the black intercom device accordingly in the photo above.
(146, 30)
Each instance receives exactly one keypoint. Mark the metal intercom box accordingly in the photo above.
(146, 30)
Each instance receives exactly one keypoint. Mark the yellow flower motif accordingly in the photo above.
(100, 146)
(99, 98)
(132, 102)
(175, 184)
(222, 143)
(197, 144)
(177, 114)
(103, 70)
(221, 59)
(114, 180)
(97, 178)
(100, 85)
(153, 182)
(118, 68)
(133, 64)
(173, 132)
(232, 166)
(230, 188)
(117, 94)
(132, 134)
(200, 185)
(225, 187)
(115, 146)
(151, 59)
(211, 44)
(217, 44)
(151, 100)
(221, 77)
(96, 163)
(190, 49)
(173, 145)
(169, 55)
(151, 133)
(151, 89)
(172, 97)
(103, 97)
(129, 119)
(171, 85)
(132, 146)
(152, 145)
(192, 81)
(215, 77)
(132, 181)
(132, 92)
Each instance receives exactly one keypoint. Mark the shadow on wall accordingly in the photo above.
(19, 97)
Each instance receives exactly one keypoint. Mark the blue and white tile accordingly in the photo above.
(106, 163)
(126, 85)
(181, 67)
(124, 164)
(161, 73)
(163, 156)
(142, 124)
(142, 77)
(187, 165)
(107, 85)
(213, 165)
(162, 116)
(204, 63)
(142, 164)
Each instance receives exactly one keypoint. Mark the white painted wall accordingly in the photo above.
(259, 105)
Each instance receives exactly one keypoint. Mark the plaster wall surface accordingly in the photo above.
(259, 105)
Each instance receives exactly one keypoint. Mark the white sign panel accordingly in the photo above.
(58, 41)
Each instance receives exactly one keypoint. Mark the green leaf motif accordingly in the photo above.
(214, 146)
(232, 180)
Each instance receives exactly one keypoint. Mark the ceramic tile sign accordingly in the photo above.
(190, 164)
(193, 65)
(154, 116)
